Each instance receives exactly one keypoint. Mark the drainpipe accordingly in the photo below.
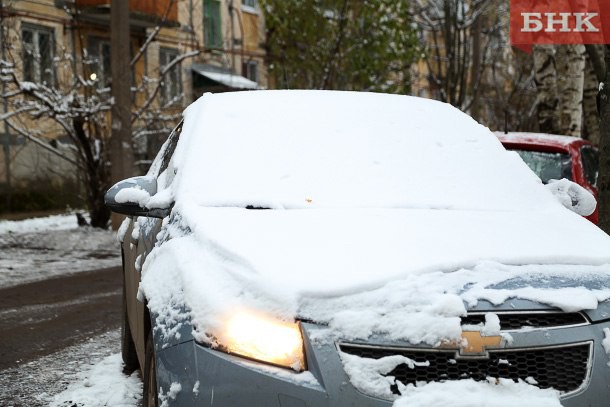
(5, 139)
(232, 36)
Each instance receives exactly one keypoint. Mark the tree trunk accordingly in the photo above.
(546, 86)
(121, 155)
(476, 68)
(604, 149)
(589, 105)
(570, 62)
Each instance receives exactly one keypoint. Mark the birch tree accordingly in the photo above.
(547, 101)
(571, 79)
(560, 79)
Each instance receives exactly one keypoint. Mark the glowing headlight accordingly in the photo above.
(263, 338)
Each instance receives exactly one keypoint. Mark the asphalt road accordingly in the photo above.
(40, 318)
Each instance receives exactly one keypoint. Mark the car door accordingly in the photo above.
(138, 242)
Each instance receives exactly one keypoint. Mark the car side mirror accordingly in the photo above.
(131, 197)
(573, 196)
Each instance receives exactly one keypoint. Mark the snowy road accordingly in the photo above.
(39, 318)
(60, 313)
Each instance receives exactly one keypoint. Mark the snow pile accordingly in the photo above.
(46, 224)
(39, 248)
(370, 377)
(369, 374)
(172, 393)
(468, 393)
(573, 196)
(133, 195)
(426, 308)
(102, 385)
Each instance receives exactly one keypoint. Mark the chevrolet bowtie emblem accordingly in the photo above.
(475, 344)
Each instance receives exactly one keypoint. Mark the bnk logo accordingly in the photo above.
(562, 22)
(559, 22)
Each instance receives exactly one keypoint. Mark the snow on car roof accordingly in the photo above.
(537, 138)
(306, 149)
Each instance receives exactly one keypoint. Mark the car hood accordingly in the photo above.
(327, 252)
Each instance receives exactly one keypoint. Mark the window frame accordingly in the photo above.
(38, 72)
(104, 79)
(212, 24)
(247, 67)
(250, 6)
(171, 82)
(584, 162)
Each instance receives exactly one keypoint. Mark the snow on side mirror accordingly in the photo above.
(573, 196)
(132, 197)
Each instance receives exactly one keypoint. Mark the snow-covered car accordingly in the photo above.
(553, 157)
(314, 248)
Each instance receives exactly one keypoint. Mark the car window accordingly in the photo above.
(547, 165)
(161, 162)
(590, 163)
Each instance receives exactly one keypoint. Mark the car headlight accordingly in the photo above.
(264, 339)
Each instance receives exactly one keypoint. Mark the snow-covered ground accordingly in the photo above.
(39, 248)
(80, 375)
(84, 375)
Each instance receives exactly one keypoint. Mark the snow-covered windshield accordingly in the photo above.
(547, 165)
(316, 149)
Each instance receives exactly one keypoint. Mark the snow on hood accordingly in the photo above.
(400, 209)
(332, 251)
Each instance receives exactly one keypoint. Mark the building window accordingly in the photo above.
(99, 61)
(171, 82)
(38, 52)
(212, 24)
(249, 70)
(250, 3)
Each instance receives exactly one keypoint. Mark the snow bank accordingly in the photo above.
(47, 223)
(39, 248)
(102, 385)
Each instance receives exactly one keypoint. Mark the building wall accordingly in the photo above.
(243, 34)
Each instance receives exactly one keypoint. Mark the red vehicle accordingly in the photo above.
(554, 157)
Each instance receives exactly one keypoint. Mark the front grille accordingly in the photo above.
(519, 320)
(563, 368)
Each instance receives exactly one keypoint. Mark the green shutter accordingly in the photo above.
(212, 26)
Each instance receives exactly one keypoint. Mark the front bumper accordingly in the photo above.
(212, 378)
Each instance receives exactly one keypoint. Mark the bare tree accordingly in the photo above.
(67, 100)
(547, 101)
(458, 36)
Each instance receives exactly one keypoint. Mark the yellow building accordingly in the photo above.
(57, 42)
